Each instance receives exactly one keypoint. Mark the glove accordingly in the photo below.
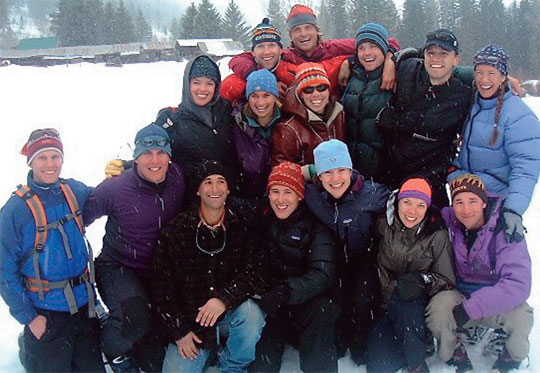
(410, 286)
(460, 315)
(274, 299)
(114, 168)
(512, 224)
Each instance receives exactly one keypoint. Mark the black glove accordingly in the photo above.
(275, 298)
(460, 315)
(512, 224)
(410, 286)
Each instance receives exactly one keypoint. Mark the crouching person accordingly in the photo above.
(493, 279)
(137, 202)
(415, 263)
(206, 267)
(300, 258)
(45, 277)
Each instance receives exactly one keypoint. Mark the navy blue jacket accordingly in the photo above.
(17, 235)
(352, 216)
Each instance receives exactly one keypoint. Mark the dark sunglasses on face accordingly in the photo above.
(311, 89)
(150, 142)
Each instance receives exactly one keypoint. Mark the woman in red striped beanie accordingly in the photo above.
(314, 117)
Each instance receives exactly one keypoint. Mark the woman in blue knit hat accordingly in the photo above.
(254, 125)
(501, 140)
(348, 204)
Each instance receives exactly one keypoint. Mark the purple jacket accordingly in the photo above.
(137, 210)
(501, 271)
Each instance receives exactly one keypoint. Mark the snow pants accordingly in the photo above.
(398, 338)
(70, 344)
(357, 292)
(132, 327)
(517, 323)
(313, 322)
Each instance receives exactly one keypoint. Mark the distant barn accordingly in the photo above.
(41, 52)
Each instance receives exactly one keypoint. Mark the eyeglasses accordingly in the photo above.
(320, 88)
(150, 142)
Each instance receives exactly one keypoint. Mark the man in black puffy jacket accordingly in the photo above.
(425, 115)
(301, 264)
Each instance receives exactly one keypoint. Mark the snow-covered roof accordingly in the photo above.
(221, 48)
(195, 42)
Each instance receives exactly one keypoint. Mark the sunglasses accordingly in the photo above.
(441, 35)
(311, 89)
(478, 60)
(151, 142)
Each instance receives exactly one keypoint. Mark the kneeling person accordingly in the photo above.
(206, 266)
(493, 279)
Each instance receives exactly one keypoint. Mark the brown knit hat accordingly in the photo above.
(287, 174)
(310, 74)
(468, 183)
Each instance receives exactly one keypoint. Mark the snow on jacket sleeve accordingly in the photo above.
(232, 87)
(442, 269)
(101, 201)
(11, 287)
(321, 267)
(513, 266)
(286, 145)
(243, 64)
(522, 144)
(163, 290)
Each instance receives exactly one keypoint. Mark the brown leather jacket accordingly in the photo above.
(295, 138)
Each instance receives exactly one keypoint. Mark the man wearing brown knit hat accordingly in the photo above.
(493, 279)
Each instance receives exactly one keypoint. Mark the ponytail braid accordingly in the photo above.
(498, 109)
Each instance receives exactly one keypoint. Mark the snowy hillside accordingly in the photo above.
(98, 110)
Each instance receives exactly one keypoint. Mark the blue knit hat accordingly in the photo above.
(374, 33)
(261, 80)
(331, 154)
(152, 137)
(204, 67)
(494, 56)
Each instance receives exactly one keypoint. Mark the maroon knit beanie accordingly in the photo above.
(287, 174)
(41, 140)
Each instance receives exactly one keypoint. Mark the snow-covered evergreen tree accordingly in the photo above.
(492, 32)
(276, 14)
(143, 31)
(208, 21)
(466, 30)
(188, 22)
(339, 27)
(412, 30)
(234, 24)
(125, 31)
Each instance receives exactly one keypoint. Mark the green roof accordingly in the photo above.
(38, 43)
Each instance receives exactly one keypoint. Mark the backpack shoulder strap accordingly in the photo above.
(36, 208)
(73, 204)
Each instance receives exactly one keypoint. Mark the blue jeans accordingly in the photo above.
(242, 327)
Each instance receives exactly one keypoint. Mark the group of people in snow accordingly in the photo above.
(334, 195)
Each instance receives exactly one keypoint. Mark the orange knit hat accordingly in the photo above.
(310, 74)
(416, 187)
(288, 174)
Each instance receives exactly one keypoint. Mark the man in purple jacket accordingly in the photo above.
(493, 279)
(138, 203)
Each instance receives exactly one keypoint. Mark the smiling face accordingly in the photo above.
(488, 80)
(283, 201)
(213, 192)
(336, 181)
(316, 101)
(262, 104)
(369, 55)
(412, 211)
(469, 210)
(202, 90)
(267, 54)
(305, 37)
(46, 166)
(439, 64)
(152, 165)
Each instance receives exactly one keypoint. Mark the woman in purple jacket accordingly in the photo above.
(138, 203)
(493, 279)
(255, 122)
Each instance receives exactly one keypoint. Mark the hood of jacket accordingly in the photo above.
(204, 113)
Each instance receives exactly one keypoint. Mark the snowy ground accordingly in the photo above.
(98, 110)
